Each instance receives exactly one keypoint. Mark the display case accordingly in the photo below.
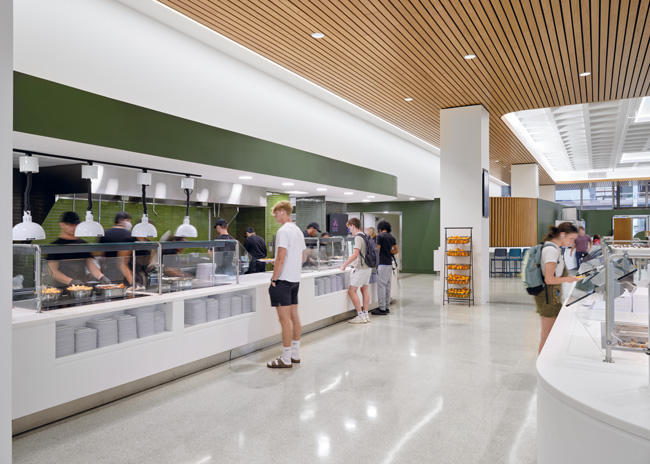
(611, 299)
(323, 254)
(458, 282)
(50, 277)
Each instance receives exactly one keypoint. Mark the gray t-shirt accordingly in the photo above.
(360, 244)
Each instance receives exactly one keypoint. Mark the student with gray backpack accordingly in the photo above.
(545, 272)
(364, 258)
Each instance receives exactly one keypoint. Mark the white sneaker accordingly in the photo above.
(357, 320)
(366, 318)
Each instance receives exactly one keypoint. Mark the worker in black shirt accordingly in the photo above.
(225, 258)
(255, 246)
(70, 268)
(117, 264)
(312, 231)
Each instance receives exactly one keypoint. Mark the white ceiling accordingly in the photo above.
(585, 142)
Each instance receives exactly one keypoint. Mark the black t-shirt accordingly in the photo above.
(310, 243)
(255, 246)
(386, 242)
(72, 265)
(227, 246)
(116, 235)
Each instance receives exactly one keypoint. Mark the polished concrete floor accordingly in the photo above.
(427, 384)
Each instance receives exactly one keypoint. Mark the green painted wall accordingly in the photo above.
(50, 109)
(547, 213)
(420, 230)
(600, 221)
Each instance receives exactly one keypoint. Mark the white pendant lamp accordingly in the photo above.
(144, 228)
(186, 229)
(89, 227)
(28, 230)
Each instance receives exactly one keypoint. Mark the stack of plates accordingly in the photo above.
(247, 303)
(212, 309)
(106, 331)
(334, 283)
(224, 306)
(195, 311)
(126, 327)
(159, 321)
(143, 320)
(327, 285)
(85, 338)
(64, 340)
(321, 287)
(341, 281)
(222, 278)
(204, 271)
(235, 306)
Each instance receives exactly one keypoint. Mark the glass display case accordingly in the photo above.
(325, 253)
(50, 277)
(612, 298)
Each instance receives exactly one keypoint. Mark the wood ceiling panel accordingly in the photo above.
(377, 52)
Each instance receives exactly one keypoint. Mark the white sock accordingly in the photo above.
(286, 354)
(295, 349)
(364, 314)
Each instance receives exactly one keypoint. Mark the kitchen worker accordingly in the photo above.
(117, 264)
(70, 268)
(255, 246)
(312, 231)
(225, 250)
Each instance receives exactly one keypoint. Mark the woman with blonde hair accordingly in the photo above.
(549, 300)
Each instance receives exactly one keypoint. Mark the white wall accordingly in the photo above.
(107, 48)
(495, 189)
(547, 192)
(6, 127)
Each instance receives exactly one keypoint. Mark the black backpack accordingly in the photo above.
(372, 252)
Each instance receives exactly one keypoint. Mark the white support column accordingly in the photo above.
(6, 130)
(547, 192)
(464, 153)
(524, 181)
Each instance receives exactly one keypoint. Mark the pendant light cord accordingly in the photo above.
(28, 189)
(144, 199)
(90, 195)
(187, 207)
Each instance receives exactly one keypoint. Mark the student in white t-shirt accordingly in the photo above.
(289, 255)
(549, 301)
(360, 275)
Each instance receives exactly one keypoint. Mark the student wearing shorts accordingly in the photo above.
(360, 275)
(290, 254)
(549, 301)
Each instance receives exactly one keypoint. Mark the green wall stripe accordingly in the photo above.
(420, 230)
(50, 109)
(547, 213)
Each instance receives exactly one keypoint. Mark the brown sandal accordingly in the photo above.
(278, 364)
(295, 361)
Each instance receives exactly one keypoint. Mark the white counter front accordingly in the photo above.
(589, 410)
(42, 381)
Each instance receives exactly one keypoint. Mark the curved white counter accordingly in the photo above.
(42, 381)
(589, 410)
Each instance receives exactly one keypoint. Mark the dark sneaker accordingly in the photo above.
(379, 312)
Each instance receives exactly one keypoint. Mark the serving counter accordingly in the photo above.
(45, 377)
(589, 410)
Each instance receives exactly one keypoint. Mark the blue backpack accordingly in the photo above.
(532, 270)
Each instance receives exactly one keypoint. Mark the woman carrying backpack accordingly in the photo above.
(549, 301)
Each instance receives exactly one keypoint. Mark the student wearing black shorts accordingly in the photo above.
(285, 283)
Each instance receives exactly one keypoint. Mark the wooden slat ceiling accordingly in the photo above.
(377, 52)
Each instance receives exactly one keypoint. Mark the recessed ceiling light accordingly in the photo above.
(365, 200)
(371, 196)
(348, 193)
(295, 192)
(497, 161)
(585, 74)
(385, 212)
(288, 184)
(469, 57)
(245, 177)
(322, 189)
(318, 35)
(412, 198)
(636, 157)
(408, 99)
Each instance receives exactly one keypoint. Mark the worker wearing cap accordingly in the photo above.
(225, 250)
(312, 231)
(70, 268)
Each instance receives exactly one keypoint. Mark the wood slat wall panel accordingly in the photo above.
(513, 222)
(377, 52)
